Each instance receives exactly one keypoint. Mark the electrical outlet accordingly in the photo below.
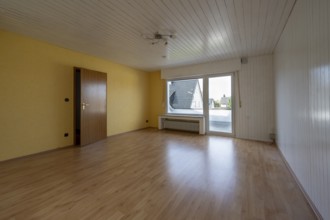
(272, 137)
(66, 134)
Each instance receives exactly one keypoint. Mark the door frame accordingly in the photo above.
(206, 104)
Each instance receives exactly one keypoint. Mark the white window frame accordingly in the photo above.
(205, 79)
(167, 98)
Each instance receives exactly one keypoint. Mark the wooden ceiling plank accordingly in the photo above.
(272, 8)
(239, 14)
(282, 22)
(216, 21)
(280, 9)
(112, 29)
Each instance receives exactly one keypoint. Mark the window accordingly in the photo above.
(185, 96)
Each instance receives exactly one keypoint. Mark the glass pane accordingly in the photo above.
(220, 111)
(185, 96)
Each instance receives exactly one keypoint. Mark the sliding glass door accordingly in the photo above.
(220, 114)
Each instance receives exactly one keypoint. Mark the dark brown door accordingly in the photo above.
(91, 106)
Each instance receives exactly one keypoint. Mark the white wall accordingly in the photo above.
(255, 118)
(302, 74)
(221, 66)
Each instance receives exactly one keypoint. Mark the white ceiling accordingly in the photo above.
(206, 30)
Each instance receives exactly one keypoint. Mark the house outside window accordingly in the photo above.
(185, 96)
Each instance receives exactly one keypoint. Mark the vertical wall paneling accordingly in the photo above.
(255, 118)
(302, 84)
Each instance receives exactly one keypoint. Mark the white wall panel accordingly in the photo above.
(255, 117)
(302, 74)
(223, 66)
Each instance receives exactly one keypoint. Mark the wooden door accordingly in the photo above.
(91, 106)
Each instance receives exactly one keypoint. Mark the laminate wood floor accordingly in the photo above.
(151, 174)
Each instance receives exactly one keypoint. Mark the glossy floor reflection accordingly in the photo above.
(206, 168)
(151, 174)
(225, 127)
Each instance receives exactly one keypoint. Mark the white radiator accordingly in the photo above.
(181, 125)
(185, 123)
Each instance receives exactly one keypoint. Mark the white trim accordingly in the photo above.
(300, 186)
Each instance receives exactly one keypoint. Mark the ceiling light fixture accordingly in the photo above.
(158, 37)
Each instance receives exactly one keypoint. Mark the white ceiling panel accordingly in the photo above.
(205, 30)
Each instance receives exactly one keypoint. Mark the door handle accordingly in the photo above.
(84, 105)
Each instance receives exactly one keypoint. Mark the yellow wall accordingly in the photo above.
(35, 77)
(156, 98)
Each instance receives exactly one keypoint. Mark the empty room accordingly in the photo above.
(165, 109)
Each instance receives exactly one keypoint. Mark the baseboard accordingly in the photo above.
(35, 154)
(307, 198)
(61, 148)
(127, 132)
(259, 141)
